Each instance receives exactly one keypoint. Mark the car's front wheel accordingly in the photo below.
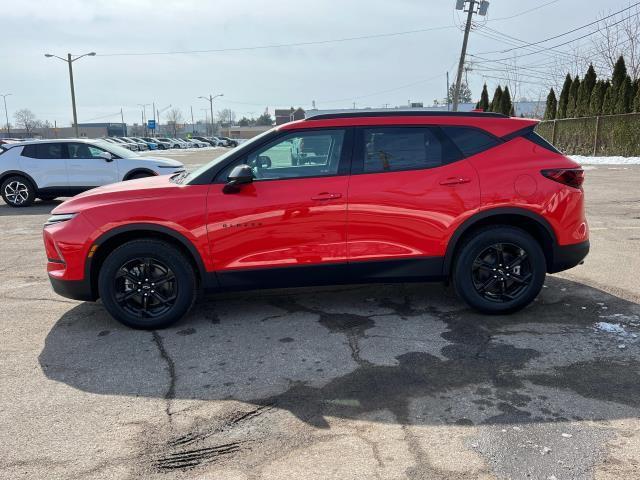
(18, 191)
(147, 284)
(499, 270)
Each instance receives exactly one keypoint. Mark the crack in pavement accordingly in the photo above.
(171, 369)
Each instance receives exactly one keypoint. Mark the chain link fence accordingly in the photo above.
(605, 135)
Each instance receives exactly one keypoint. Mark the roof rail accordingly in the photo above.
(404, 113)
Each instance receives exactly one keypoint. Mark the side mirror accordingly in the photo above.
(106, 156)
(240, 175)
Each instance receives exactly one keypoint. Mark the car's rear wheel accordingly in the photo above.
(18, 191)
(147, 284)
(499, 270)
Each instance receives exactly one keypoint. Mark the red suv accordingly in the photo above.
(477, 198)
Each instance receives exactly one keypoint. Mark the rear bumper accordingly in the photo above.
(74, 289)
(568, 256)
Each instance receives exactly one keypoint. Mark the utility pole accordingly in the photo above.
(483, 6)
(70, 61)
(124, 133)
(210, 99)
(448, 94)
(193, 125)
(6, 115)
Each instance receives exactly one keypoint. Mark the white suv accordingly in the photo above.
(47, 169)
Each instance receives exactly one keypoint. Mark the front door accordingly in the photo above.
(289, 225)
(87, 168)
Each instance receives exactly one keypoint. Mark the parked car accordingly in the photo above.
(181, 142)
(47, 169)
(171, 141)
(229, 142)
(198, 143)
(477, 198)
(207, 140)
(151, 145)
(123, 143)
(162, 145)
(142, 146)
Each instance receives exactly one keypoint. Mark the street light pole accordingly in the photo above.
(70, 61)
(6, 114)
(144, 116)
(210, 100)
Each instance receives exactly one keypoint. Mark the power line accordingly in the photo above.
(281, 45)
(523, 13)
(569, 32)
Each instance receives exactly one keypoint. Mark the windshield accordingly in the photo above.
(116, 149)
(245, 146)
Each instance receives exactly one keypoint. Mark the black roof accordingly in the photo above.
(404, 113)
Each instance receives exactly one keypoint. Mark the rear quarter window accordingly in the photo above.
(470, 141)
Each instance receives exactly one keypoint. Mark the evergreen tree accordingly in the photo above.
(573, 98)
(584, 92)
(552, 106)
(597, 98)
(624, 102)
(564, 97)
(636, 98)
(495, 102)
(505, 102)
(617, 80)
(484, 99)
(607, 101)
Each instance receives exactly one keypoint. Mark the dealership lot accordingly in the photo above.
(385, 381)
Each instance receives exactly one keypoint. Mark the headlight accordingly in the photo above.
(62, 217)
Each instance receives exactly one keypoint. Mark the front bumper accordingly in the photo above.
(568, 256)
(74, 289)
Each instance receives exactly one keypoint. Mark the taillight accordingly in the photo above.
(572, 177)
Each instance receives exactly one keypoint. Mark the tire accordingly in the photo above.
(487, 283)
(18, 191)
(164, 262)
(137, 175)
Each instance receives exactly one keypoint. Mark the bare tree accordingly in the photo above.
(26, 119)
(174, 117)
(617, 38)
(226, 116)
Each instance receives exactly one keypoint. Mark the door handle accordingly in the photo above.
(326, 196)
(454, 181)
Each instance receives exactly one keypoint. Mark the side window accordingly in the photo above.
(82, 150)
(297, 155)
(388, 149)
(43, 150)
(470, 140)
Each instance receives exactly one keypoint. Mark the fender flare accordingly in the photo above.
(494, 212)
(138, 170)
(10, 173)
(152, 227)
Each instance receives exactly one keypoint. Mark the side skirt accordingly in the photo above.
(386, 271)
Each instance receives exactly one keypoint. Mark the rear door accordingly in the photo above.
(409, 186)
(87, 168)
(45, 163)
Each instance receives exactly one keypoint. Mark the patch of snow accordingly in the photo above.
(610, 328)
(583, 160)
(622, 318)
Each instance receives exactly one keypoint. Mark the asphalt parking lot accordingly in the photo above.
(383, 381)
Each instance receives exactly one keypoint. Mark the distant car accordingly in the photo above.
(142, 146)
(123, 143)
(182, 143)
(218, 142)
(198, 143)
(150, 144)
(160, 144)
(210, 142)
(230, 142)
(170, 141)
(47, 169)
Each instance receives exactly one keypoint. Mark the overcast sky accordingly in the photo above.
(371, 72)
